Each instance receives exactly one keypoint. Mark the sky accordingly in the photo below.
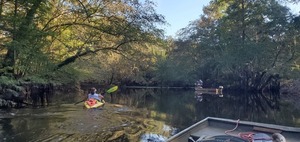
(179, 13)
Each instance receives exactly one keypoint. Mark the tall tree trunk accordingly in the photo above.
(1, 8)
(10, 55)
(20, 32)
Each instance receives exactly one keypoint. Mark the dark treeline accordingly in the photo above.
(247, 45)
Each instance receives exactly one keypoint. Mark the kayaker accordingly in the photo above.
(93, 94)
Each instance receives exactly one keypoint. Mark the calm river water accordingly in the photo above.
(138, 115)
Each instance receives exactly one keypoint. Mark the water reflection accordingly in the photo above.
(25, 124)
(150, 114)
(266, 108)
(6, 125)
(199, 94)
(181, 108)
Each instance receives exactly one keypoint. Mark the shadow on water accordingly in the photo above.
(149, 114)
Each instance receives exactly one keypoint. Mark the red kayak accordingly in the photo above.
(93, 103)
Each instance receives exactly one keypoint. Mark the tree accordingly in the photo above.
(59, 32)
(242, 40)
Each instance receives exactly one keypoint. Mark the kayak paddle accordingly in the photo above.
(112, 89)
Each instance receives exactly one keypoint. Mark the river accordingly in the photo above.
(138, 115)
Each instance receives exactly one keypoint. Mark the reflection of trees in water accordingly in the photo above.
(181, 108)
(262, 102)
(253, 107)
(16, 130)
(176, 104)
(133, 97)
(28, 124)
(7, 128)
(182, 111)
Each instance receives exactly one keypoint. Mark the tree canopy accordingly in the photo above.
(39, 36)
(249, 43)
(240, 43)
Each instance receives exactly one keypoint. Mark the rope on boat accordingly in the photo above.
(244, 135)
(237, 124)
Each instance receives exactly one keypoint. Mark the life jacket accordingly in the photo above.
(91, 102)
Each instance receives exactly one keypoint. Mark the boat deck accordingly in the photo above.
(217, 126)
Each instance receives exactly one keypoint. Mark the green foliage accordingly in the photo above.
(175, 71)
(7, 80)
(66, 75)
(118, 42)
(39, 39)
(35, 79)
(235, 41)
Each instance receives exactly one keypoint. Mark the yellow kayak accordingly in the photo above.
(93, 103)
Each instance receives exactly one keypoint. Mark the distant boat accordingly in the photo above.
(199, 89)
(212, 129)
